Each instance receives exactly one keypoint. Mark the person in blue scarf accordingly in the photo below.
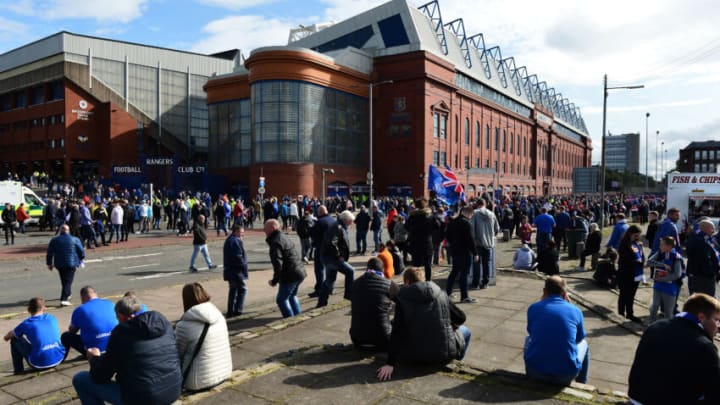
(669, 267)
(630, 271)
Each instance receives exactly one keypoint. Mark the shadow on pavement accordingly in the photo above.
(473, 391)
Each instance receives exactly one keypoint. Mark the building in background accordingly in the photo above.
(700, 157)
(440, 97)
(622, 152)
(76, 107)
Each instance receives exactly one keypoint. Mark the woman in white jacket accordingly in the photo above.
(213, 363)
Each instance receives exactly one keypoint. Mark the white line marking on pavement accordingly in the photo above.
(159, 275)
(111, 258)
(142, 265)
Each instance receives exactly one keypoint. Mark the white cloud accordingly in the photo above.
(101, 10)
(244, 32)
(237, 4)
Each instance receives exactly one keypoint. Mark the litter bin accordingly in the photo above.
(573, 237)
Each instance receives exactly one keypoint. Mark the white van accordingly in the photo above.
(14, 192)
(696, 195)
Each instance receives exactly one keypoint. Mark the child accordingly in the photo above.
(668, 268)
(606, 273)
(525, 231)
(524, 258)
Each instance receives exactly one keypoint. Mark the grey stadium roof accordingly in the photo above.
(398, 27)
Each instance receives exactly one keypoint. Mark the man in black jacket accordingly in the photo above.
(427, 327)
(317, 234)
(462, 250)
(235, 271)
(702, 260)
(421, 224)
(142, 352)
(335, 251)
(288, 270)
(362, 225)
(200, 244)
(371, 305)
(676, 361)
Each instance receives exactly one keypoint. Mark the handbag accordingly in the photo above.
(197, 350)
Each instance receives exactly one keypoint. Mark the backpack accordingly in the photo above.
(401, 233)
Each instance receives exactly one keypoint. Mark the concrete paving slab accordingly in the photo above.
(31, 388)
(275, 387)
(233, 396)
(7, 399)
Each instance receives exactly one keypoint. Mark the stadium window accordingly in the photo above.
(467, 131)
(477, 133)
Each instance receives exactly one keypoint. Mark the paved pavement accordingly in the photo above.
(308, 358)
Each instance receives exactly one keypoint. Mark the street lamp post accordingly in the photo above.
(324, 170)
(647, 146)
(657, 168)
(370, 173)
(662, 160)
(602, 158)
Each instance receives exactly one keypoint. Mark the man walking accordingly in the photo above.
(9, 218)
(288, 270)
(463, 252)
(335, 252)
(362, 225)
(235, 271)
(485, 227)
(200, 244)
(65, 252)
(317, 234)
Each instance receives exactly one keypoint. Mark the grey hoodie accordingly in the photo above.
(484, 226)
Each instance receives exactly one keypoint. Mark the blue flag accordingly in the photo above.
(447, 188)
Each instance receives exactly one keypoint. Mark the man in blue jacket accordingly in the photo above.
(668, 227)
(142, 352)
(618, 231)
(235, 271)
(556, 350)
(65, 253)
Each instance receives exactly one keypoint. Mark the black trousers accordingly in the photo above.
(67, 274)
(628, 288)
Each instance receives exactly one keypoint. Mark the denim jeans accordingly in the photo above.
(319, 271)
(287, 299)
(481, 268)
(67, 275)
(114, 230)
(466, 335)
(305, 247)
(205, 253)
(237, 290)
(361, 241)
(460, 268)
(377, 239)
(19, 350)
(583, 352)
(333, 265)
(91, 393)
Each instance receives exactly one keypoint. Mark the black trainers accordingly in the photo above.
(193, 269)
(212, 266)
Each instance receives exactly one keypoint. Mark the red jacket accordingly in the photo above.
(21, 214)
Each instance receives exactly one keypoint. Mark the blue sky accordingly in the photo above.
(670, 46)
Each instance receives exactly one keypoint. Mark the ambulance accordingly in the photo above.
(696, 195)
(14, 192)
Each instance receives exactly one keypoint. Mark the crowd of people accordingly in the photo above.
(416, 322)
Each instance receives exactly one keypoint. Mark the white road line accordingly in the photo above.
(159, 275)
(142, 265)
(111, 258)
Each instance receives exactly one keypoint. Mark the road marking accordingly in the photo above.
(111, 258)
(142, 265)
(158, 275)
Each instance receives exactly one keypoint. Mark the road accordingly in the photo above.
(148, 261)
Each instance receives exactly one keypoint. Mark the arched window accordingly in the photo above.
(477, 133)
(504, 141)
(497, 138)
(457, 130)
(467, 131)
(487, 136)
(518, 144)
(512, 143)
